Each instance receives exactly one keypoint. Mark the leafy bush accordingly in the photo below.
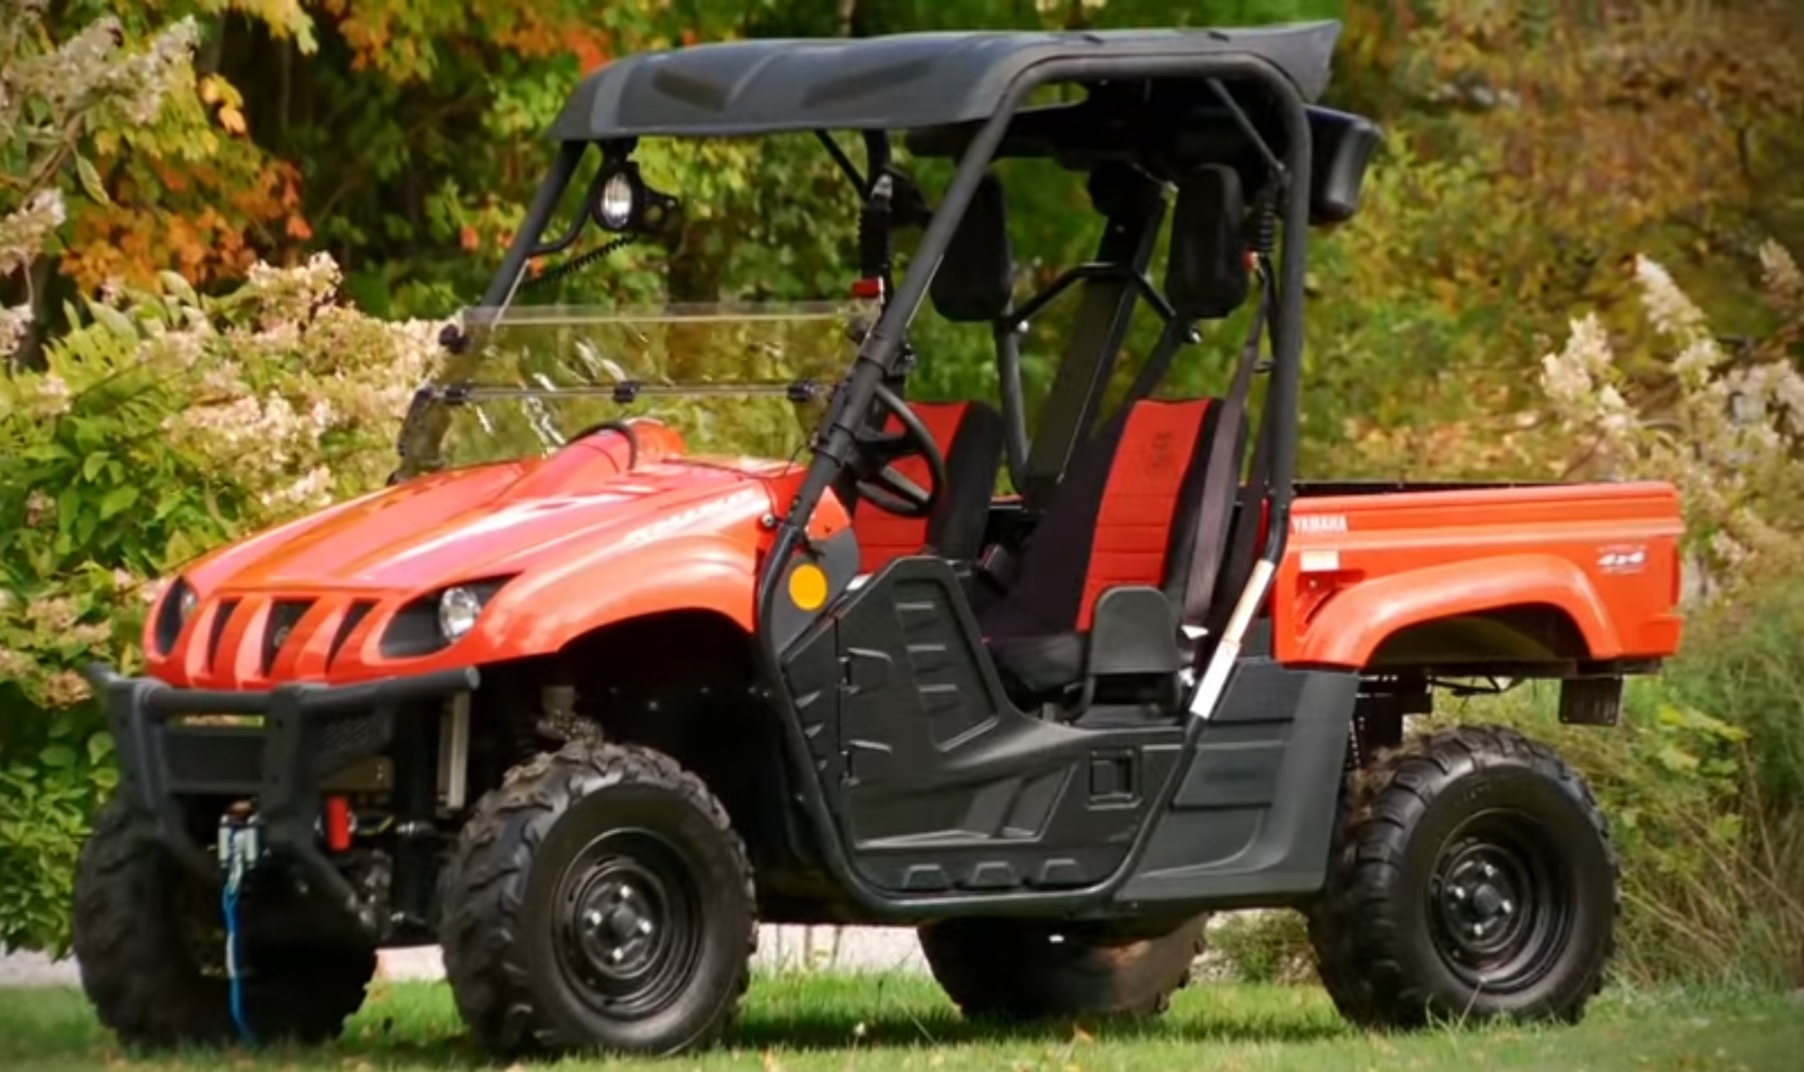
(161, 425)
(1260, 947)
(1706, 780)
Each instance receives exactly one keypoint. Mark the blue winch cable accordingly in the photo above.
(228, 905)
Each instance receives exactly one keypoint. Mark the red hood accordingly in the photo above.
(590, 535)
(482, 522)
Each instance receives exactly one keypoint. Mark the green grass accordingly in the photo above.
(874, 1023)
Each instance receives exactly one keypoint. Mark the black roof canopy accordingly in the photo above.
(898, 82)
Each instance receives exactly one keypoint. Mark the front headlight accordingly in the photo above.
(177, 606)
(618, 203)
(457, 611)
(437, 620)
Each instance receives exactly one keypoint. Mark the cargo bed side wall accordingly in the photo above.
(1480, 574)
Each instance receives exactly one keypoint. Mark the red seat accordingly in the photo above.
(970, 436)
(1125, 514)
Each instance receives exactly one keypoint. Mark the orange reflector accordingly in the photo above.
(808, 586)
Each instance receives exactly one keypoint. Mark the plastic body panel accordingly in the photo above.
(583, 541)
(1255, 810)
(937, 783)
(1358, 568)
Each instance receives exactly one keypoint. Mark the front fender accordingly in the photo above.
(540, 613)
(1352, 624)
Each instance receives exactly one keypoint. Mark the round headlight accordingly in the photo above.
(457, 611)
(186, 603)
(616, 205)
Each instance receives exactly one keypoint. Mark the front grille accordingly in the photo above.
(359, 610)
(221, 618)
(283, 615)
(351, 736)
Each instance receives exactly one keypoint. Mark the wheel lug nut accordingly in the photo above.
(592, 919)
(644, 927)
(1507, 907)
(615, 956)
(1459, 893)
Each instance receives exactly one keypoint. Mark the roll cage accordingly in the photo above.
(1159, 102)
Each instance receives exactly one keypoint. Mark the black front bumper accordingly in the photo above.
(309, 732)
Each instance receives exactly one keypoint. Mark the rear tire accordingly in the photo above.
(137, 919)
(1019, 970)
(1473, 878)
(599, 900)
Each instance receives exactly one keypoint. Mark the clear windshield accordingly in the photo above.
(738, 380)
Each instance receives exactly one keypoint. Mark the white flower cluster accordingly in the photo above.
(327, 372)
(15, 321)
(28, 229)
(1727, 433)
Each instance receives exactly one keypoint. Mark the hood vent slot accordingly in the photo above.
(283, 615)
(353, 617)
(222, 616)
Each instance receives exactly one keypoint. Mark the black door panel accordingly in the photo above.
(937, 781)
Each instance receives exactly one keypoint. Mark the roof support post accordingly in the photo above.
(1133, 204)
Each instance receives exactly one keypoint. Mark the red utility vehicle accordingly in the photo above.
(583, 711)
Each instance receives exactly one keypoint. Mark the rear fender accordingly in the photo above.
(1352, 624)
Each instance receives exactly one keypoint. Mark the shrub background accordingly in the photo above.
(196, 199)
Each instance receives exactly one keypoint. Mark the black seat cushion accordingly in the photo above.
(1037, 668)
(1119, 517)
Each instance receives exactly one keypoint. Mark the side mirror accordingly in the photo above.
(1206, 274)
(976, 279)
(1343, 147)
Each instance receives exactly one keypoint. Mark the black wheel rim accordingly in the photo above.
(628, 918)
(1501, 902)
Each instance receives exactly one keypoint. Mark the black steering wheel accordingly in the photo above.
(879, 482)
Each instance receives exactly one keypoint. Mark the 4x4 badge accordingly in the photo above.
(1623, 558)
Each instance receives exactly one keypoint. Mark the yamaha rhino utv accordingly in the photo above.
(585, 712)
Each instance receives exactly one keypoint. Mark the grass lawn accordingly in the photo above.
(847, 1023)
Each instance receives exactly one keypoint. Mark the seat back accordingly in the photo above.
(1119, 517)
(970, 437)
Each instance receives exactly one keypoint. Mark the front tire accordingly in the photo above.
(142, 936)
(1473, 878)
(1023, 970)
(599, 900)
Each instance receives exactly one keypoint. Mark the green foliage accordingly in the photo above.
(896, 1021)
(161, 424)
(1263, 947)
(161, 427)
(1754, 670)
